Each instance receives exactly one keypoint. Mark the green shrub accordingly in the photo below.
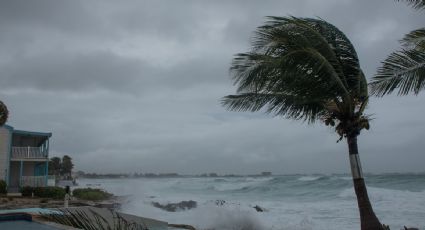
(44, 192)
(91, 194)
(3, 187)
(50, 192)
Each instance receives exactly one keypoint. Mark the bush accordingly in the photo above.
(27, 191)
(44, 192)
(50, 192)
(3, 187)
(91, 194)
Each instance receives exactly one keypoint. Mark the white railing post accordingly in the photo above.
(28, 152)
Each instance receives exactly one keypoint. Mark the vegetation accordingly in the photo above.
(404, 69)
(417, 4)
(307, 69)
(91, 194)
(67, 166)
(44, 192)
(3, 187)
(61, 167)
(54, 166)
(4, 113)
(91, 220)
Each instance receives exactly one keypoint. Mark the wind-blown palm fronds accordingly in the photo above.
(303, 69)
(91, 220)
(415, 40)
(417, 4)
(307, 69)
(4, 113)
(403, 70)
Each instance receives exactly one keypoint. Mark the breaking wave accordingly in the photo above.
(294, 202)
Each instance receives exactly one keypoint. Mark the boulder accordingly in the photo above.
(173, 207)
(259, 209)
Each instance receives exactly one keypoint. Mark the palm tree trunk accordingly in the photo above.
(368, 219)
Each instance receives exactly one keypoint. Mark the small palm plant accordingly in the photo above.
(91, 220)
(307, 69)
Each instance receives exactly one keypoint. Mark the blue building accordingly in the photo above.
(24, 158)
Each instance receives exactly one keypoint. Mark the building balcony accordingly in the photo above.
(33, 181)
(29, 153)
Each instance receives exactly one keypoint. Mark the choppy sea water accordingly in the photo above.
(295, 202)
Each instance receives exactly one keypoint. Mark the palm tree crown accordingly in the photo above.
(303, 69)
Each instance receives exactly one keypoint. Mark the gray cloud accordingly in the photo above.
(135, 86)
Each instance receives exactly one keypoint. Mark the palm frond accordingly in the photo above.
(416, 4)
(403, 70)
(415, 40)
(302, 69)
(91, 220)
(282, 34)
(279, 104)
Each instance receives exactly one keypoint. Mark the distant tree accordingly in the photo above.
(404, 70)
(4, 113)
(55, 166)
(67, 165)
(307, 69)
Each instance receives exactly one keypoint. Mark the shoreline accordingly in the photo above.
(18, 202)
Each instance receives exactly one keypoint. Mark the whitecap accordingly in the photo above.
(309, 178)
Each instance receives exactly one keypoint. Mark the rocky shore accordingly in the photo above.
(18, 202)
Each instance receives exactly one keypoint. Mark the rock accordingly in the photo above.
(220, 202)
(259, 209)
(173, 207)
(182, 226)
(406, 228)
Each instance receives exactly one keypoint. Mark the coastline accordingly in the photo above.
(19, 202)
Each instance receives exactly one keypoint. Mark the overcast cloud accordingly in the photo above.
(134, 86)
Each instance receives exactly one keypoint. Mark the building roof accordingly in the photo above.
(27, 133)
(31, 133)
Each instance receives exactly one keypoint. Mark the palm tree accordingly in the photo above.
(307, 69)
(4, 113)
(404, 69)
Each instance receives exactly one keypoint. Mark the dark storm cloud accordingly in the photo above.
(64, 71)
(135, 85)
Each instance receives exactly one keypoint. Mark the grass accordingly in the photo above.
(93, 194)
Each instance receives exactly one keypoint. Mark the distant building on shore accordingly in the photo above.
(24, 158)
(266, 173)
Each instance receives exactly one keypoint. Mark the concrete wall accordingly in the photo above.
(5, 136)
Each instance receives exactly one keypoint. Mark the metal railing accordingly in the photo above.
(28, 152)
(33, 181)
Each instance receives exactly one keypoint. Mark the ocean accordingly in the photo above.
(290, 202)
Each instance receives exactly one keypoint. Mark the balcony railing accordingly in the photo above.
(33, 181)
(29, 153)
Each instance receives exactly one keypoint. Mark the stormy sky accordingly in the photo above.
(135, 86)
